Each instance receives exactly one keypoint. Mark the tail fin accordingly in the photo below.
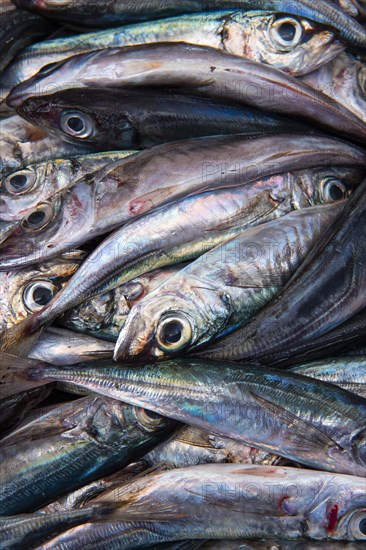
(18, 374)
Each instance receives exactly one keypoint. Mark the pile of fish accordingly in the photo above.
(183, 274)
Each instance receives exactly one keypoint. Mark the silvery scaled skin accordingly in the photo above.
(142, 182)
(252, 35)
(104, 315)
(347, 372)
(70, 446)
(343, 79)
(222, 289)
(27, 290)
(300, 418)
(226, 500)
(335, 271)
(22, 143)
(23, 190)
(200, 69)
(96, 14)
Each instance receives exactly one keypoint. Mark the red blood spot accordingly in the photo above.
(333, 518)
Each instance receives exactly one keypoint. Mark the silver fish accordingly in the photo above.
(300, 418)
(295, 45)
(201, 69)
(222, 289)
(228, 500)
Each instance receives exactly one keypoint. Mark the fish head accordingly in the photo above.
(22, 190)
(173, 319)
(292, 44)
(51, 228)
(337, 510)
(25, 291)
(324, 185)
(84, 118)
(110, 421)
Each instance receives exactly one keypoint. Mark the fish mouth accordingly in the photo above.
(132, 343)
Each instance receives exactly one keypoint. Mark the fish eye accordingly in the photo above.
(286, 33)
(38, 294)
(361, 77)
(76, 124)
(20, 182)
(174, 332)
(333, 190)
(148, 419)
(39, 217)
(357, 525)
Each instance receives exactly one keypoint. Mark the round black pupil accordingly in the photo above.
(36, 218)
(19, 181)
(42, 296)
(335, 192)
(75, 124)
(152, 414)
(287, 31)
(362, 526)
(172, 332)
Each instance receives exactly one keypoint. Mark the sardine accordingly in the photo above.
(295, 45)
(200, 69)
(23, 190)
(92, 13)
(25, 291)
(15, 407)
(326, 291)
(22, 143)
(142, 182)
(226, 500)
(278, 544)
(143, 118)
(105, 315)
(347, 372)
(305, 420)
(343, 79)
(222, 289)
(71, 446)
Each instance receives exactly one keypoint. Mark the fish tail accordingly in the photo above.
(18, 374)
(20, 338)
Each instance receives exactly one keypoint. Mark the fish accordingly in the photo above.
(295, 45)
(222, 289)
(144, 118)
(20, 29)
(25, 291)
(120, 192)
(326, 291)
(72, 445)
(22, 143)
(279, 544)
(343, 79)
(104, 315)
(297, 417)
(219, 215)
(191, 446)
(59, 346)
(239, 500)
(21, 191)
(347, 372)
(200, 69)
(93, 14)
